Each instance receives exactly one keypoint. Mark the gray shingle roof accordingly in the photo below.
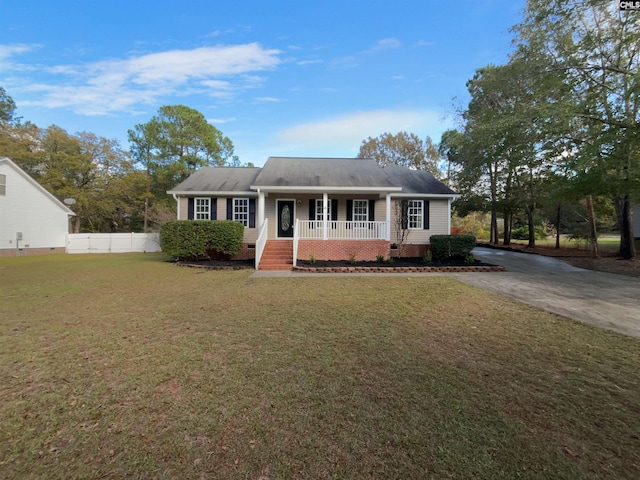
(218, 179)
(415, 181)
(295, 173)
(322, 172)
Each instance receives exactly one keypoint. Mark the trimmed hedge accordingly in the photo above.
(452, 246)
(200, 239)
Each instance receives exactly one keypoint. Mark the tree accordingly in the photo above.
(405, 149)
(596, 49)
(7, 107)
(172, 145)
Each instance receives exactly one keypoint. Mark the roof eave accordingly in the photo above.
(452, 196)
(327, 188)
(214, 193)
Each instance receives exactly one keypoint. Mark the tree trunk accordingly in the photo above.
(493, 232)
(623, 211)
(146, 215)
(558, 227)
(532, 228)
(76, 224)
(593, 235)
(506, 228)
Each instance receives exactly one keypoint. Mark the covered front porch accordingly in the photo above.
(325, 226)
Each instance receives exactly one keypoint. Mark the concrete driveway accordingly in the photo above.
(602, 299)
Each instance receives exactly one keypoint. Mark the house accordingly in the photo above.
(32, 221)
(320, 208)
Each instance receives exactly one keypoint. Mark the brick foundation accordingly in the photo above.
(246, 253)
(363, 250)
(28, 252)
(410, 250)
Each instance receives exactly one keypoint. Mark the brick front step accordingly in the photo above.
(276, 266)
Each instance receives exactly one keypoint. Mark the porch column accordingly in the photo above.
(325, 215)
(387, 235)
(260, 209)
(449, 217)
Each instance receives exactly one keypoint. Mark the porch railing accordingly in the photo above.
(262, 241)
(340, 230)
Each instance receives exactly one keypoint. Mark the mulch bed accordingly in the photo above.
(219, 264)
(402, 265)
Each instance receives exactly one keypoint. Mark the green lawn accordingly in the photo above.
(125, 366)
(608, 243)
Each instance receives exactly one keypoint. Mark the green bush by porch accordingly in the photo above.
(452, 246)
(196, 240)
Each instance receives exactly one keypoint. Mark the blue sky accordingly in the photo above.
(281, 78)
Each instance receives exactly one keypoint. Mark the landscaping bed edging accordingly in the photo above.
(471, 268)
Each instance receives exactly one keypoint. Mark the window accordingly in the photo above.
(241, 211)
(414, 214)
(202, 209)
(319, 215)
(361, 211)
(3, 184)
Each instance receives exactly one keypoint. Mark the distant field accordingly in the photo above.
(125, 366)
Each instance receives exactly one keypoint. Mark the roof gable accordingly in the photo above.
(29, 179)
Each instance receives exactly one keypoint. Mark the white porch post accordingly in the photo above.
(387, 235)
(260, 209)
(325, 215)
(449, 217)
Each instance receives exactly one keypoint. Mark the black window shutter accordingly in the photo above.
(425, 213)
(372, 210)
(349, 210)
(190, 208)
(213, 205)
(312, 209)
(229, 208)
(405, 214)
(334, 209)
(252, 213)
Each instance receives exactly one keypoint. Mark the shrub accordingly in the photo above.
(379, 258)
(451, 246)
(196, 240)
(427, 257)
(522, 233)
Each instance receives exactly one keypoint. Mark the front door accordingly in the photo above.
(285, 218)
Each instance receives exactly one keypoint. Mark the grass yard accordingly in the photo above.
(125, 366)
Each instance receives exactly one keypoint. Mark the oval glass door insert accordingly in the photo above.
(285, 218)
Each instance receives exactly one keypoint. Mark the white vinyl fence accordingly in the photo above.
(112, 242)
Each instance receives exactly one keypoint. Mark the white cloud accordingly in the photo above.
(215, 121)
(119, 85)
(267, 99)
(386, 44)
(7, 51)
(309, 62)
(348, 131)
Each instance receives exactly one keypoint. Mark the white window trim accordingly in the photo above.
(319, 212)
(201, 214)
(235, 215)
(366, 212)
(3, 184)
(420, 216)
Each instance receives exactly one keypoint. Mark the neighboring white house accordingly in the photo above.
(32, 220)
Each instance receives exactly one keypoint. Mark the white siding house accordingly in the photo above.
(32, 220)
